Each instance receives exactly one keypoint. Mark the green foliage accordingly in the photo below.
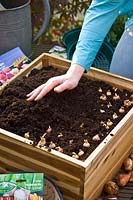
(66, 15)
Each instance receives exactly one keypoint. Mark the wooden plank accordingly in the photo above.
(53, 153)
(108, 176)
(54, 61)
(50, 159)
(20, 162)
(108, 162)
(28, 158)
(10, 165)
(126, 121)
(110, 150)
(3, 167)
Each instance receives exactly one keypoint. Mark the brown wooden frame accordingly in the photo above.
(77, 180)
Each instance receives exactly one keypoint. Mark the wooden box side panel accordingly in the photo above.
(18, 156)
(51, 60)
(108, 161)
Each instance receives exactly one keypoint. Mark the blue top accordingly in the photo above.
(98, 20)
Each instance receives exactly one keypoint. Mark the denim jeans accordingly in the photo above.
(122, 61)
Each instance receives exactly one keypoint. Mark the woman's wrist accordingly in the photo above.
(75, 70)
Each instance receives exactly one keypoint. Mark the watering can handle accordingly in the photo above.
(46, 6)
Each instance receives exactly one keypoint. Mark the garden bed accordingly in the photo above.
(62, 128)
(74, 122)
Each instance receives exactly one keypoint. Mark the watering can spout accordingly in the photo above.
(46, 6)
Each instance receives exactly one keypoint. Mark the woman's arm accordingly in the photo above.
(98, 20)
(67, 81)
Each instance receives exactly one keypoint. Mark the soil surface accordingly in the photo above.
(70, 119)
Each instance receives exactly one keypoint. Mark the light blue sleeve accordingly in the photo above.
(127, 8)
(98, 20)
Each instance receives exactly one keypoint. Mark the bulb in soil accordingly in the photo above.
(122, 179)
(27, 135)
(49, 130)
(128, 164)
(115, 116)
(59, 149)
(81, 152)
(96, 138)
(100, 89)
(52, 145)
(109, 105)
(115, 89)
(103, 123)
(103, 97)
(116, 97)
(109, 122)
(60, 135)
(102, 111)
(74, 155)
(107, 127)
(108, 93)
(81, 125)
(86, 143)
(42, 142)
(85, 133)
(126, 94)
(111, 188)
(71, 141)
(127, 103)
(122, 109)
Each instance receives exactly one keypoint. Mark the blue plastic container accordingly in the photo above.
(104, 56)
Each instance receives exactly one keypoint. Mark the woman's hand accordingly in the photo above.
(67, 81)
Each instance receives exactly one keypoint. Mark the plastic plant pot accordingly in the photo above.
(51, 190)
(103, 58)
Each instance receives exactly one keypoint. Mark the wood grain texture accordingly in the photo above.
(108, 161)
(77, 180)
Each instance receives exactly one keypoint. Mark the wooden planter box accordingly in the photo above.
(77, 180)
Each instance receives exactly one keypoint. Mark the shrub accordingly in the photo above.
(65, 15)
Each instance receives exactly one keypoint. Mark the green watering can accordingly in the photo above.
(16, 25)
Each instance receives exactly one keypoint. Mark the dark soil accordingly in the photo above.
(74, 116)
